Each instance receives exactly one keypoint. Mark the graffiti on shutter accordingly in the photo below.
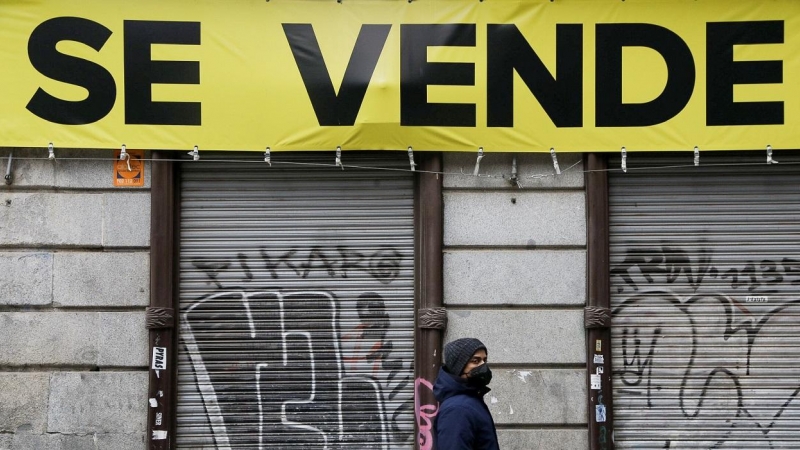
(314, 372)
(701, 339)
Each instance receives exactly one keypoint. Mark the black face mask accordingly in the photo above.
(480, 376)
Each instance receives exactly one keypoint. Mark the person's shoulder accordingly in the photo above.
(462, 403)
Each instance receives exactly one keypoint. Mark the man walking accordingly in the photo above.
(464, 421)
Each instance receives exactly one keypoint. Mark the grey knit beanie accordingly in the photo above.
(458, 353)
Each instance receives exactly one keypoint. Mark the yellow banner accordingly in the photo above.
(452, 75)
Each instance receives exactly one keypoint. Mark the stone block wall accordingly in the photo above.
(515, 277)
(74, 285)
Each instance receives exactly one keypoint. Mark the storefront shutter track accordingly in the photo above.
(296, 302)
(705, 276)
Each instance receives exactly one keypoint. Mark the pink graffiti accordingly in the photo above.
(425, 415)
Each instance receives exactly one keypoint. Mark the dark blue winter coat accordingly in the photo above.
(463, 421)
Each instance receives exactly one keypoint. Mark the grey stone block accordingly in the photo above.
(543, 439)
(516, 218)
(73, 168)
(133, 441)
(40, 219)
(525, 396)
(37, 442)
(23, 402)
(523, 337)
(515, 277)
(97, 402)
(126, 219)
(90, 169)
(48, 338)
(123, 340)
(27, 278)
(73, 338)
(534, 170)
(52, 442)
(77, 442)
(29, 167)
(101, 279)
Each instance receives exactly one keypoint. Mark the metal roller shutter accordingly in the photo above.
(705, 277)
(297, 303)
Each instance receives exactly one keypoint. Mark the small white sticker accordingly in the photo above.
(159, 416)
(599, 370)
(600, 413)
(595, 381)
(153, 403)
(159, 435)
(159, 358)
(598, 359)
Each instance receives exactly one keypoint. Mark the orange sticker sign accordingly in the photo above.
(129, 171)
